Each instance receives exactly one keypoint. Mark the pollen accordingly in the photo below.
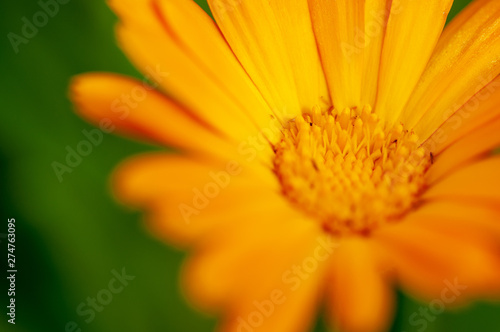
(349, 169)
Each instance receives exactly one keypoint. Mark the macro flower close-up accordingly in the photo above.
(316, 160)
(323, 152)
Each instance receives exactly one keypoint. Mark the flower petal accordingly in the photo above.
(412, 33)
(135, 109)
(360, 300)
(218, 276)
(376, 16)
(466, 59)
(187, 198)
(479, 182)
(479, 222)
(198, 35)
(480, 110)
(148, 40)
(294, 311)
(476, 145)
(274, 42)
(349, 36)
(428, 259)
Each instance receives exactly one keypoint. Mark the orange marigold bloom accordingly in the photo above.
(330, 150)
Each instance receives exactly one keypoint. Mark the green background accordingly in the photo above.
(71, 235)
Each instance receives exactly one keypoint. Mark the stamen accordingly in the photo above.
(349, 169)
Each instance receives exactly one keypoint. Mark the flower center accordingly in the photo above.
(349, 169)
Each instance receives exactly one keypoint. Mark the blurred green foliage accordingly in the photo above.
(71, 235)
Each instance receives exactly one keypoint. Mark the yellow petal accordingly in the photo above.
(465, 60)
(274, 42)
(480, 110)
(280, 308)
(121, 104)
(376, 17)
(477, 221)
(427, 267)
(412, 33)
(186, 217)
(335, 24)
(143, 178)
(478, 182)
(359, 298)
(186, 199)
(474, 146)
(198, 35)
(218, 276)
(149, 42)
(350, 36)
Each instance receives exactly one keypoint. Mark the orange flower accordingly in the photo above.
(330, 150)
